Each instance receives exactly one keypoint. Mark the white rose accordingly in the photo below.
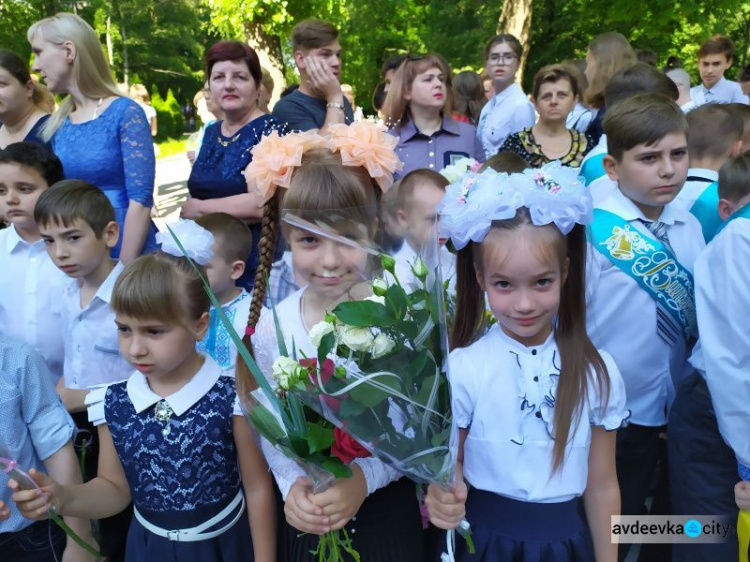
(285, 371)
(381, 345)
(379, 286)
(319, 331)
(357, 339)
(376, 298)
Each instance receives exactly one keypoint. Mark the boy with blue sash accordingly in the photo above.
(722, 361)
(716, 135)
(641, 307)
(635, 79)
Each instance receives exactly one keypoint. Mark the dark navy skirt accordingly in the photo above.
(234, 545)
(388, 528)
(506, 530)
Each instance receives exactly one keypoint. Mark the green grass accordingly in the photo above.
(170, 147)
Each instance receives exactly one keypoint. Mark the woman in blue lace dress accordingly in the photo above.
(217, 181)
(172, 436)
(100, 136)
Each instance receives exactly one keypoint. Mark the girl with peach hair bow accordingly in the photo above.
(329, 198)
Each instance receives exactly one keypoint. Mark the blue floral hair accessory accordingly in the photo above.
(553, 194)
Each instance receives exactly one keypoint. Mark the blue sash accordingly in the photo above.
(651, 264)
(741, 213)
(706, 210)
(593, 168)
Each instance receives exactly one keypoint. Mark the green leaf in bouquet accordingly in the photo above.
(319, 438)
(300, 445)
(396, 301)
(362, 314)
(376, 389)
(336, 467)
(327, 343)
(266, 423)
(350, 409)
(408, 328)
(442, 438)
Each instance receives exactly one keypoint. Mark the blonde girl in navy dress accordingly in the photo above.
(172, 436)
(536, 404)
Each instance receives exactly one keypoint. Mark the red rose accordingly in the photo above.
(326, 372)
(346, 448)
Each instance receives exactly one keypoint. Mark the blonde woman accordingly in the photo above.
(607, 53)
(99, 135)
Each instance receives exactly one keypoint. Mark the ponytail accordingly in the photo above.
(470, 317)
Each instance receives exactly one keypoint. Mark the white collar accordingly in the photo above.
(623, 207)
(715, 87)
(14, 240)
(405, 253)
(104, 292)
(521, 349)
(143, 397)
(712, 175)
(513, 89)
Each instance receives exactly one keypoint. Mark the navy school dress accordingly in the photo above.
(185, 476)
(387, 528)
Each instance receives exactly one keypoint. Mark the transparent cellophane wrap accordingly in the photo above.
(380, 371)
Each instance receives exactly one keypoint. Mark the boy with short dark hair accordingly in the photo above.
(634, 306)
(419, 194)
(319, 101)
(714, 59)
(232, 243)
(31, 282)
(716, 135)
(78, 226)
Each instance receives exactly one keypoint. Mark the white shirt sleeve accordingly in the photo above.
(610, 411)
(463, 387)
(723, 308)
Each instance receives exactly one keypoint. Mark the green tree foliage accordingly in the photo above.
(169, 119)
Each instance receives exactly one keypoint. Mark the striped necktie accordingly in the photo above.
(666, 326)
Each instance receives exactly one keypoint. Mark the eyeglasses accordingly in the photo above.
(415, 57)
(506, 58)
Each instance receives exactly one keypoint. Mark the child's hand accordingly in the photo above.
(35, 504)
(446, 507)
(4, 511)
(342, 501)
(742, 495)
(301, 513)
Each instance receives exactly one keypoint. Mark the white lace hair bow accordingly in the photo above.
(195, 239)
(553, 194)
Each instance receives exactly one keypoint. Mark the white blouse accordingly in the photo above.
(507, 404)
(265, 345)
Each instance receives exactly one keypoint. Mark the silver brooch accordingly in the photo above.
(163, 413)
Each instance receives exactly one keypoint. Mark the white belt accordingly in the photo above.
(195, 533)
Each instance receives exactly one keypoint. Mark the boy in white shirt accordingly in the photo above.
(232, 243)
(78, 226)
(703, 469)
(31, 282)
(714, 59)
(640, 296)
(419, 194)
(716, 134)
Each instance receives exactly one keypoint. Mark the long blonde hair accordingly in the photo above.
(612, 52)
(92, 73)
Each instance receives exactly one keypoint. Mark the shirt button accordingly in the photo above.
(32, 260)
(536, 379)
(431, 140)
(432, 154)
(432, 165)
(538, 414)
(533, 351)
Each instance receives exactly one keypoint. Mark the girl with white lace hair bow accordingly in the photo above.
(536, 404)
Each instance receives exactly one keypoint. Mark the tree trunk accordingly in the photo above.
(110, 47)
(125, 59)
(269, 52)
(516, 20)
